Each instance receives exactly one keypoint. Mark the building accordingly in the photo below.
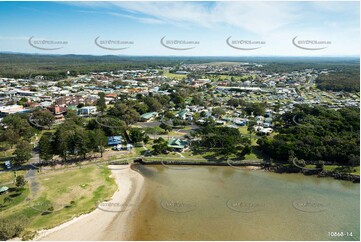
(182, 114)
(177, 144)
(114, 140)
(12, 109)
(87, 110)
(148, 116)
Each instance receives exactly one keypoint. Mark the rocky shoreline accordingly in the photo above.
(314, 172)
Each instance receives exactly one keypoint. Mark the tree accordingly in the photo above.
(12, 227)
(153, 104)
(71, 115)
(20, 181)
(46, 146)
(169, 115)
(141, 108)
(160, 146)
(196, 100)
(196, 116)
(235, 102)
(71, 139)
(97, 141)
(136, 135)
(79, 142)
(11, 136)
(255, 108)
(320, 134)
(17, 126)
(225, 139)
(218, 112)
(179, 101)
(22, 101)
(101, 105)
(23, 151)
(42, 118)
(125, 112)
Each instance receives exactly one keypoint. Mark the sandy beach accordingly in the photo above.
(111, 218)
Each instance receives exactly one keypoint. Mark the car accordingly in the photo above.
(118, 147)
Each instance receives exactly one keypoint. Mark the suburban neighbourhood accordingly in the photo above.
(170, 103)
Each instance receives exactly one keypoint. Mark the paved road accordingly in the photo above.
(30, 175)
(148, 124)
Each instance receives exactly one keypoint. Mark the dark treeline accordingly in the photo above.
(296, 64)
(55, 67)
(340, 81)
(317, 134)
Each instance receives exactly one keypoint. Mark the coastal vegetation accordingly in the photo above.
(62, 194)
(316, 134)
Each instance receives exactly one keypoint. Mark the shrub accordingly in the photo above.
(10, 228)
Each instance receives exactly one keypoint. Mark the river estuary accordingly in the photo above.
(231, 203)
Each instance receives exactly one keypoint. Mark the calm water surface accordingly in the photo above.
(225, 203)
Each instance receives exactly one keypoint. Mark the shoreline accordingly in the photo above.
(97, 225)
(258, 166)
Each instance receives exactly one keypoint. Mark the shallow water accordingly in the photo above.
(227, 203)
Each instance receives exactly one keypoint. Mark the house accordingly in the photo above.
(114, 140)
(220, 122)
(45, 104)
(58, 111)
(87, 110)
(12, 109)
(182, 114)
(177, 144)
(265, 131)
(240, 122)
(147, 116)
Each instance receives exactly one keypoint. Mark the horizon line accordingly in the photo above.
(187, 56)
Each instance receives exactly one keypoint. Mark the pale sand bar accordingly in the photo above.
(111, 220)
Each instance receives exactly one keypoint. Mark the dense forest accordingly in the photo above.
(55, 67)
(340, 81)
(301, 63)
(317, 134)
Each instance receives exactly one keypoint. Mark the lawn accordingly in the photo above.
(338, 169)
(173, 75)
(62, 195)
(8, 177)
(342, 169)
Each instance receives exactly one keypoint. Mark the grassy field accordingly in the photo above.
(62, 195)
(8, 177)
(173, 75)
(340, 169)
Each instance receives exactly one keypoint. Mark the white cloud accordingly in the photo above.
(255, 17)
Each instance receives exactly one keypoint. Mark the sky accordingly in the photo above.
(217, 28)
